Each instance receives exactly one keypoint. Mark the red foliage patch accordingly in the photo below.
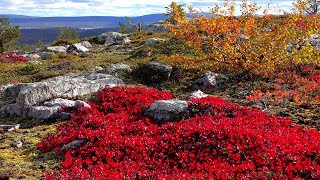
(219, 140)
(13, 57)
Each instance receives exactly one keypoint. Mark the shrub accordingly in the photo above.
(257, 44)
(218, 140)
(67, 36)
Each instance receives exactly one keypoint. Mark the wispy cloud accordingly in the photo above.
(112, 7)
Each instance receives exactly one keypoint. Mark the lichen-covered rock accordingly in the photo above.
(25, 100)
(43, 112)
(167, 110)
(34, 93)
(66, 103)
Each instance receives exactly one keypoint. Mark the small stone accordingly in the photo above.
(197, 94)
(16, 127)
(74, 144)
(17, 144)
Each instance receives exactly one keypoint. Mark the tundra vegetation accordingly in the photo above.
(261, 123)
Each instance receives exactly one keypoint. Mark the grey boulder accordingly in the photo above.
(152, 42)
(167, 110)
(109, 38)
(114, 69)
(153, 72)
(209, 81)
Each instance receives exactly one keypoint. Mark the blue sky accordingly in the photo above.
(47, 8)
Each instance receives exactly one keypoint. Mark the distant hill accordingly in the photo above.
(29, 22)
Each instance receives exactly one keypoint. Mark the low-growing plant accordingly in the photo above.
(13, 57)
(218, 140)
(301, 86)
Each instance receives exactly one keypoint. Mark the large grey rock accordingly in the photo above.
(109, 38)
(43, 112)
(66, 103)
(153, 72)
(86, 44)
(79, 48)
(57, 49)
(113, 69)
(209, 81)
(14, 110)
(74, 85)
(24, 99)
(34, 93)
(9, 93)
(152, 42)
(167, 110)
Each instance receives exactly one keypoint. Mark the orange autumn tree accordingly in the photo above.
(250, 42)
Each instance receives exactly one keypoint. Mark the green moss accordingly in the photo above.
(26, 162)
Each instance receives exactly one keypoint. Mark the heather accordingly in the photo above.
(217, 140)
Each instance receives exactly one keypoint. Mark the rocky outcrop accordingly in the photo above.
(167, 110)
(109, 38)
(26, 100)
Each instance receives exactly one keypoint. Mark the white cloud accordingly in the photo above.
(109, 7)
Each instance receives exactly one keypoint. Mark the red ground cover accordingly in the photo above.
(218, 140)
